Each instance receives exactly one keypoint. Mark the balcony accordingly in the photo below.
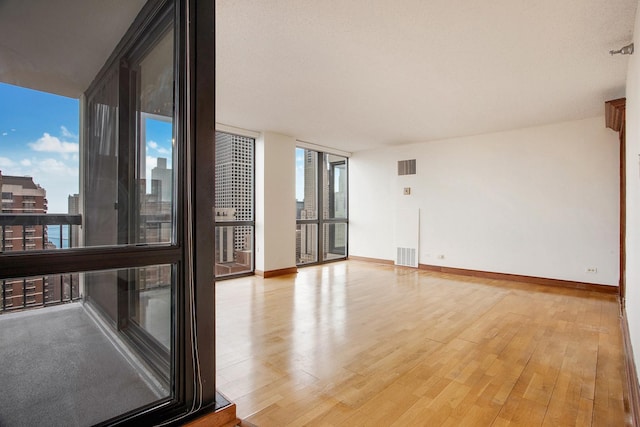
(21, 232)
(89, 338)
(62, 365)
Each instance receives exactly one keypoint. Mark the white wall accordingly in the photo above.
(275, 202)
(540, 201)
(633, 197)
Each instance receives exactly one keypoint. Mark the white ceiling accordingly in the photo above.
(59, 46)
(358, 74)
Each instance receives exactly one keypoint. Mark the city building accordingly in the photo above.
(161, 179)
(20, 195)
(73, 203)
(234, 211)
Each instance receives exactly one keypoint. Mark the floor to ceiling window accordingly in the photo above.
(321, 206)
(119, 327)
(234, 212)
(134, 166)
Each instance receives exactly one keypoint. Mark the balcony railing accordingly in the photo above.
(22, 232)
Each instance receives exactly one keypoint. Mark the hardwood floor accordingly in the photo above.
(356, 343)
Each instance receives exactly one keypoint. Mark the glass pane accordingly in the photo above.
(306, 184)
(150, 303)
(101, 196)
(41, 175)
(234, 177)
(154, 173)
(306, 243)
(62, 361)
(335, 186)
(335, 241)
(234, 250)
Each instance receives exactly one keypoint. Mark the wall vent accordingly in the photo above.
(407, 167)
(406, 257)
(407, 236)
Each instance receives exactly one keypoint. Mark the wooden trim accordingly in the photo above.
(223, 417)
(274, 273)
(615, 118)
(633, 387)
(366, 259)
(609, 289)
(623, 215)
(614, 112)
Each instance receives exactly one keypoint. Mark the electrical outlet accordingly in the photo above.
(440, 256)
(592, 269)
(407, 191)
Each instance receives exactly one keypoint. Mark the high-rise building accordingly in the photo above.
(234, 200)
(161, 179)
(234, 174)
(20, 195)
(74, 209)
(73, 203)
(306, 238)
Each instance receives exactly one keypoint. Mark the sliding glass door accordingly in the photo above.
(129, 188)
(133, 343)
(321, 206)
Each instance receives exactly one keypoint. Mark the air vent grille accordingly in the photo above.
(407, 167)
(406, 257)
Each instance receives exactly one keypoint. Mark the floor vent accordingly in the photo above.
(406, 257)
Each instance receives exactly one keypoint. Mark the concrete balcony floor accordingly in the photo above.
(61, 368)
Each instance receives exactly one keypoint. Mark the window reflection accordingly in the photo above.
(155, 148)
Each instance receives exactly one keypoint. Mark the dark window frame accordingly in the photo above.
(192, 251)
(320, 220)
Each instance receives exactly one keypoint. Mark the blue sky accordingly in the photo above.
(39, 138)
(159, 136)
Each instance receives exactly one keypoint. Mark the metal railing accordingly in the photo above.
(26, 232)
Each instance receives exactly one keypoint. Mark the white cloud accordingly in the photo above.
(52, 144)
(155, 146)
(53, 166)
(65, 133)
(6, 163)
(4, 134)
(58, 177)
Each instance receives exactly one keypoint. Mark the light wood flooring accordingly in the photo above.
(356, 343)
